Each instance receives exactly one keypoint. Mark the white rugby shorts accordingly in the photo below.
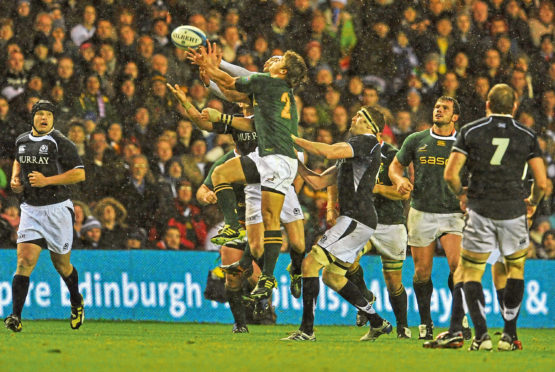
(485, 235)
(53, 223)
(424, 228)
(290, 212)
(345, 239)
(390, 241)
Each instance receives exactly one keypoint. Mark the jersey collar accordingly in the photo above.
(452, 136)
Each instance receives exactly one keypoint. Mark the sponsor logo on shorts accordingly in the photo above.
(522, 242)
(66, 246)
(43, 149)
(251, 218)
(21, 236)
(296, 211)
(270, 180)
(324, 238)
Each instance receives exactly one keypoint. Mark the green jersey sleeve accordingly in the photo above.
(250, 84)
(406, 154)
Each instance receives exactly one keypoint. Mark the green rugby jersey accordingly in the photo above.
(390, 212)
(429, 153)
(275, 113)
(238, 189)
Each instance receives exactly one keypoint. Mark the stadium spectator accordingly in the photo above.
(14, 77)
(171, 240)
(11, 126)
(91, 234)
(85, 30)
(186, 134)
(111, 214)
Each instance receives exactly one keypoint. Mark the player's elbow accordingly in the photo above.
(80, 175)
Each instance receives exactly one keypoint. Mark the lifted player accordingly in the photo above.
(45, 162)
(355, 174)
(276, 119)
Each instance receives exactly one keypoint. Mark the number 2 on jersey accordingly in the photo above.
(286, 112)
(502, 144)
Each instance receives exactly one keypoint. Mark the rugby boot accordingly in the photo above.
(446, 340)
(374, 333)
(13, 323)
(361, 319)
(481, 344)
(228, 234)
(296, 283)
(77, 315)
(299, 335)
(404, 332)
(238, 328)
(507, 343)
(426, 331)
(466, 331)
(264, 287)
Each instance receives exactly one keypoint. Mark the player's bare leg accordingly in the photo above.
(272, 203)
(223, 177)
(423, 287)
(473, 265)
(452, 245)
(295, 233)
(27, 257)
(70, 276)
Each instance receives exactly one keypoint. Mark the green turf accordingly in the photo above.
(134, 346)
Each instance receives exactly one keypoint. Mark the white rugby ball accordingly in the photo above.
(186, 37)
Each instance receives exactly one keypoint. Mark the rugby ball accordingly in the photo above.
(185, 37)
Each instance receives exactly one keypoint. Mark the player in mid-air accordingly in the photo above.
(45, 162)
(496, 150)
(389, 240)
(275, 121)
(355, 173)
(435, 212)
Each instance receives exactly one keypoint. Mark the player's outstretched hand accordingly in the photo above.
(212, 115)
(209, 198)
(214, 54)
(16, 185)
(177, 92)
(37, 179)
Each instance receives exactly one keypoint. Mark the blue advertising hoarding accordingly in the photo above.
(169, 286)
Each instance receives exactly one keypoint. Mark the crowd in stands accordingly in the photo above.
(105, 65)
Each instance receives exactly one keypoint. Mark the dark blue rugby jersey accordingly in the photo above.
(356, 179)
(50, 155)
(245, 142)
(497, 149)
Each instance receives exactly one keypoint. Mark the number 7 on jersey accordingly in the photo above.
(502, 144)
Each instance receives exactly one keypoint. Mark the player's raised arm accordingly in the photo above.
(341, 150)
(215, 116)
(201, 58)
(191, 111)
(318, 181)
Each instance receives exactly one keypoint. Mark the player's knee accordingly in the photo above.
(270, 217)
(354, 267)
(297, 244)
(422, 274)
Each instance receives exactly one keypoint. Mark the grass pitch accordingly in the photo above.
(139, 346)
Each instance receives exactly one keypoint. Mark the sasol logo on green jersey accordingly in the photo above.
(433, 160)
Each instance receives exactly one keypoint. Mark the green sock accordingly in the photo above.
(246, 258)
(272, 245)
(228, 204)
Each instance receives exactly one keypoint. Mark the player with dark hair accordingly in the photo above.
(275, 121)
(45, 162)
(389, 240)
(435, 212)
(355, 173)
(496, 150)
